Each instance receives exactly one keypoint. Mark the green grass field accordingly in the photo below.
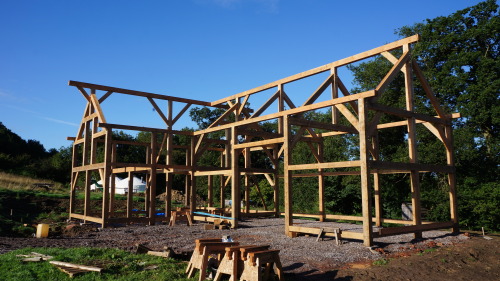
(118, 265)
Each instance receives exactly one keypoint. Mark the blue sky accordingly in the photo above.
(199, 49)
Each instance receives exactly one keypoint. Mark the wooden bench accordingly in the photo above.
(203, 250)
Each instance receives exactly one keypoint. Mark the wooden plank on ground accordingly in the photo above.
(78, 266)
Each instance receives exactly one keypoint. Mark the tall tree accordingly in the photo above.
(459, 56)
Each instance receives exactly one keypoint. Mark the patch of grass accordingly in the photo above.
(20, 207)
(117, 265)
(18, 182)
(381, 262)
(430, 250)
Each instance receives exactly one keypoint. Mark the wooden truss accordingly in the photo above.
(242, 136)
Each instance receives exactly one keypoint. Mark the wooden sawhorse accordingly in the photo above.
(232, 262)
(252, 266)
(203, 249)
(183, 215)
(329, 231)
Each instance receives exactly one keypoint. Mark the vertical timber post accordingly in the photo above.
(376, 182)
(287, 158)
(192, 199)
(247, 180)
(412, 145)
(86, 204)
(451, 177)
(152, 187)
(321, 185)
(210, 191)
(276, 185)
(169, 177)
(108, 143)
(130, 194)
(235, 179)
(365, 174)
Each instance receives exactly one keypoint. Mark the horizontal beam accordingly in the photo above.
(292, 111)
(315, 231)
(411, 167)
(322, 125)
(255, 171)
(259, 143)
(144, 129)
(212, 173)
(329, 165)
(405, 123)
(88, 167)
(414, 228)
(406, 113)
(136, 93)
(323, 68)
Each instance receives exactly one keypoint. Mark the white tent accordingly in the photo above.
(138, 185)
(99, 183)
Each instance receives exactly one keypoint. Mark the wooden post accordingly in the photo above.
(187, 182)
(321, 186)
(235, 179)
(276, 185)
(376, 182)
(87, 143)
(192, 201)
(152, 186)
(187, 190)
(281, 107)
(112, 195)
(130, 194)
(450, 159)
(247, 180)
(169, 177)
(222, 187)
(210, 191)
(335, 94)
(227, 152)
(412, 144)
(221, 180)
(86, 204)
(287, 158)
(107, 173)
(74, 179)
(365, 174)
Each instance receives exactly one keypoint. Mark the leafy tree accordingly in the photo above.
(459, 57)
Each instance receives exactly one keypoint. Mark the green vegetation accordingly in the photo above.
(459, 54)
(381, 262)
(117, 265)
(21, 209)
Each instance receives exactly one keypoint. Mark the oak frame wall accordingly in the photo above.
(361, 110)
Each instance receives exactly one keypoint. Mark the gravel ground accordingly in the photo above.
(298, 255)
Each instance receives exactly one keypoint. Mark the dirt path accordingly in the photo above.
(440, 256)
(474, 259)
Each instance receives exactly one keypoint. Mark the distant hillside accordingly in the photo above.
(29, 157)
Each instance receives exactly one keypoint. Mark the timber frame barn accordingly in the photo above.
(242, 135)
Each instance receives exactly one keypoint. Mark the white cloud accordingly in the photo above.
(60, 121)
(37, 114)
